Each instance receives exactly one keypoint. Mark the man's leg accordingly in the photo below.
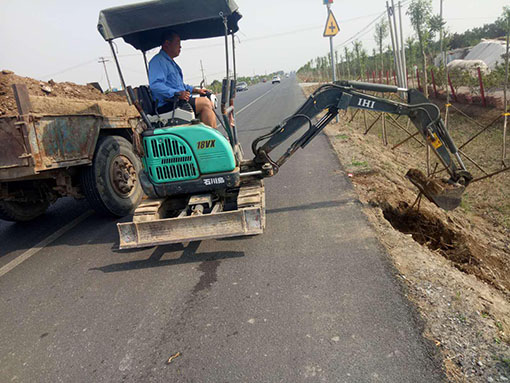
(204, 108)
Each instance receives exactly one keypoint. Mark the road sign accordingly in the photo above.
(326, 2)
(331, 28)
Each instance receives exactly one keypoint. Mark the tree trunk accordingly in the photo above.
(425, 75)
(382, 56)
(424, 63)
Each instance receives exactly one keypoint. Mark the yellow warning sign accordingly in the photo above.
(331, 28)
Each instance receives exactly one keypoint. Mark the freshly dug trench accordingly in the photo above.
(448, 240)
(431, 232)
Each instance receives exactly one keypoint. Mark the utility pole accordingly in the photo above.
(102, 60)
(505, 102)
(389, 10)
(397, 44)
(403, 48)
(444, 50)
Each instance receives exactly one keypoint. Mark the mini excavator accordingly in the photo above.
(200, 187)
(198, 183)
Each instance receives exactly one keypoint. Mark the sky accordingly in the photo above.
(58, 39)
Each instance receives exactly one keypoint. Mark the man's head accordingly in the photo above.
(171, 44)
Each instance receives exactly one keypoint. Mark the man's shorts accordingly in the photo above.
(170, 106)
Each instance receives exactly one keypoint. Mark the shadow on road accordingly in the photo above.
(312, 206)
(19, 236)
(189, 255)
(268, 128)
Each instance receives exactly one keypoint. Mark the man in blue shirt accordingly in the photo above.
(166, 81)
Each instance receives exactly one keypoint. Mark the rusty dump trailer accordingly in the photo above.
(45, 157)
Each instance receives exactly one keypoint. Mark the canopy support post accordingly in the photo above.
(226, 52)
(225, 94)
(234, 56)
(146, 65)
(120, 73)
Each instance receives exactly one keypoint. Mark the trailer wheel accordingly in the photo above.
(22, 211)
(111, 184)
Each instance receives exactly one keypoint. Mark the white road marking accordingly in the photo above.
(254, 101)
(45, 242)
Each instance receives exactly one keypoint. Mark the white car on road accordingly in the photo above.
(276, 79)
(241, 86)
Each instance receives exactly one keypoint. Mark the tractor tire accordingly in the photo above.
(22, 211)
(111, 184)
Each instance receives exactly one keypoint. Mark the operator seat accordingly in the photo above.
(182, 113)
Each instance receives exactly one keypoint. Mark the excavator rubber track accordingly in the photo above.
(150, 228)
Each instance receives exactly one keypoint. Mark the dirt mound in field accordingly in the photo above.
(61, 98)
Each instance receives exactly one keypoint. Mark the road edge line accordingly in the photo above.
(45, 242)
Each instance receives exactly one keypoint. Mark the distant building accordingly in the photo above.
(470, 65)
(454, 54)
(486, 54)
(491, 52)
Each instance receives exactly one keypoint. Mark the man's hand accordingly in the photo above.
(184, 95)
(201, 91)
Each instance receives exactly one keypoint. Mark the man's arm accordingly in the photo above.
(201, 91)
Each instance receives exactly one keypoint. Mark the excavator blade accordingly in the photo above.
(445, 195)
(150, 227)
(157, 232)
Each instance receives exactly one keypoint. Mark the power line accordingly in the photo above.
(363, 31)
(68, 69)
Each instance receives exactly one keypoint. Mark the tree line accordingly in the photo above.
(356, 62)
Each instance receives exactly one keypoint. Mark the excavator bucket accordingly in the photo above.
(445, 195)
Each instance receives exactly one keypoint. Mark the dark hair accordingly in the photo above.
(169, 35)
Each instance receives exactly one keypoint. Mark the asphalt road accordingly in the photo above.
(312, 299)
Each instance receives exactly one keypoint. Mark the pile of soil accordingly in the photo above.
(455, 266)
(61, 98)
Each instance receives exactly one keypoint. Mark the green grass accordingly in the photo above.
(359, 163)
(506, 362)
(465, 203)
(342, 136)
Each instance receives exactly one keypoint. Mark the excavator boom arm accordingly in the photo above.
(342, 95)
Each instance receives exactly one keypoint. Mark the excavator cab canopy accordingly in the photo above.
(143, 25)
